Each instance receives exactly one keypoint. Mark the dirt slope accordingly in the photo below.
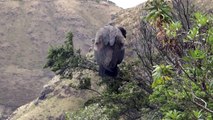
(28, 28)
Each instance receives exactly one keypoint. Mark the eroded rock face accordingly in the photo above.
(62, 96)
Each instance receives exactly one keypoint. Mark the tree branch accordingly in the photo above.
(199, 105)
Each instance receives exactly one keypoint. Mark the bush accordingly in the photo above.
(63, 58)
(183, 87)
(182, 78)
(92, 112)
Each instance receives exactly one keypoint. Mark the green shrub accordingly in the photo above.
(183, 87)
(91, 112)
(62, 58)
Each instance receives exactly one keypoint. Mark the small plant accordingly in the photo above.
(159, 12)
(91, 112)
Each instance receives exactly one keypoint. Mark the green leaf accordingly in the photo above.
(210, 36)
(197, 114)
(201, 19)
(160, 74)
(193, 33)
(197, 54)
(150, 15)
(174, 115)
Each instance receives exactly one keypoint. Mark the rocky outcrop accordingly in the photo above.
(58, 97)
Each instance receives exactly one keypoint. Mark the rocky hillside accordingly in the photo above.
(28, 29)
(132, 25)
(59, 96)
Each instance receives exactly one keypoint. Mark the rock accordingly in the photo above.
(45, 92)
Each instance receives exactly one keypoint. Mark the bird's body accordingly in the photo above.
(109, 50)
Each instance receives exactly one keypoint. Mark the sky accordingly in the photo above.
(127, 3)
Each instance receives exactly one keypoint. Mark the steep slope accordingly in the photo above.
(59, 98)
(130, 19)
(54, 106)
(28, 28)
(132, 25)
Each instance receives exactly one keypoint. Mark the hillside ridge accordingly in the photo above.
(28, 29)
